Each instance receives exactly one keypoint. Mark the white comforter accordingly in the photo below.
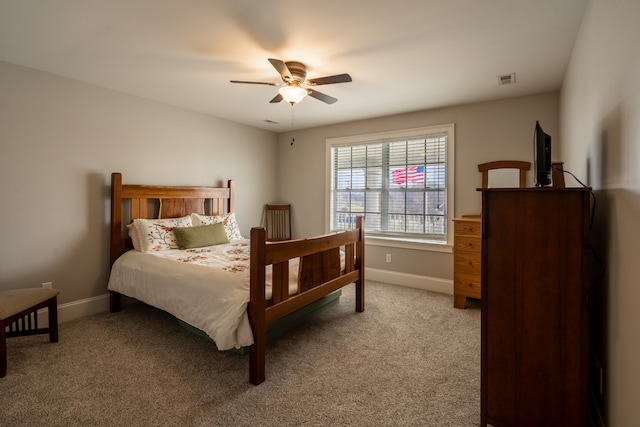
(205, 287)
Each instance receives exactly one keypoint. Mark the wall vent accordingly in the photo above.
(506, 79)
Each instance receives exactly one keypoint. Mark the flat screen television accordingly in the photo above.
(541, 157)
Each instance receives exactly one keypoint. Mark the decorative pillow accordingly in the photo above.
(157, 234)
(199, 236)
(135, 239)
(229, 221)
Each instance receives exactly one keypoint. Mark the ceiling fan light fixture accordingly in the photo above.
(295, 86)
(292, 94)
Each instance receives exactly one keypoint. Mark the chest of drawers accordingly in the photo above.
(467, 259)
(535, 319)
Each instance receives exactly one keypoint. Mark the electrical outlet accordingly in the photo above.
(47, 285)
(388, 258)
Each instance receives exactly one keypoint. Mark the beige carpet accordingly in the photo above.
(410, 359)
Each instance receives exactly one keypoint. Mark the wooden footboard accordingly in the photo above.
(320, 274)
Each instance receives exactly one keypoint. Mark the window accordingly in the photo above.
(400, 182)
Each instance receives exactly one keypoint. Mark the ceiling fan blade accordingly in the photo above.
(338, 78)
(276, 99)
(282, 68)
(321, 96)
(253, 83)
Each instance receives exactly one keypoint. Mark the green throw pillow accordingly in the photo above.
(204, 235)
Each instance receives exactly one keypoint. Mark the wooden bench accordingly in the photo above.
(18, 316)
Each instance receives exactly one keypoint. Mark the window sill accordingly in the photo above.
(408, 243)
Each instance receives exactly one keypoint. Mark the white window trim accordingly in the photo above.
(396, 241)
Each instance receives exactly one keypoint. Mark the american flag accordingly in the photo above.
(412, 174)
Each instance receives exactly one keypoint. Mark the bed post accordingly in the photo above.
(116, 232)
(360, 266)
(257, 306)
(232, 196)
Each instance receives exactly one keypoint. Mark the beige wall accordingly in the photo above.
(600, 117)
(497, 130)
(62, 138)
(59, 142)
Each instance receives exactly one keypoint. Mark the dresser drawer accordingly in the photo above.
(467, 285)
(472, 228)
(467, 262)
(467, 243)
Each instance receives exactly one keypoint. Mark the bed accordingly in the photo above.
(232, 290)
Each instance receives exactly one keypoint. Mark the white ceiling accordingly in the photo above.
(403, 55)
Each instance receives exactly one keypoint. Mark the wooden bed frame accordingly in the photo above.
(320, 266)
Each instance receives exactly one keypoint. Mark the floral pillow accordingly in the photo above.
(229, 220)
(157, 234)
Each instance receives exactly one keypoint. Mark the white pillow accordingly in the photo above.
(229, 220)
(157, 234)
(133, 234)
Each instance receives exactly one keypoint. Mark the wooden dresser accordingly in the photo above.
(535, 276)
(467, 258)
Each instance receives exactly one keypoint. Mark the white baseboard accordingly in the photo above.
(85, 307)
(76, 309)
(434, 284)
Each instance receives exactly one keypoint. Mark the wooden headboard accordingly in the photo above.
(129, 202)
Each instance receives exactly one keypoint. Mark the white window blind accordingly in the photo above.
(398, 184)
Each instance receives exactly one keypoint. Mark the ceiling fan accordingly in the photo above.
(295, 85)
